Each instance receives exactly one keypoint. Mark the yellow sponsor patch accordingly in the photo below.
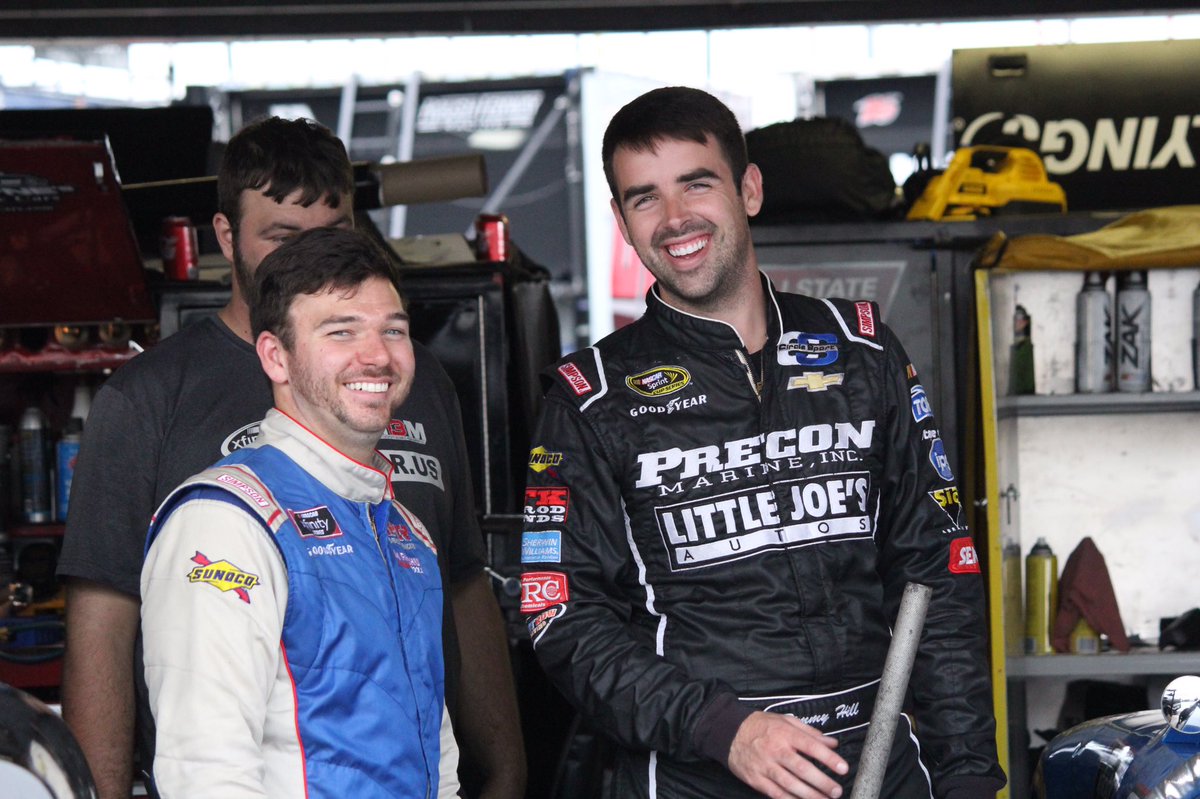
(660, 381)
(223, 575)
(540, 460)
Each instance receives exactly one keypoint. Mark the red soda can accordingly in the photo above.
(180, 250)
(491, 237)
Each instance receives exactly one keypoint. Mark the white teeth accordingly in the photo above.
(687, 249)
(372, 388)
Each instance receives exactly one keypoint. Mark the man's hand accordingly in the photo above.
(777, 756)
(97, 689)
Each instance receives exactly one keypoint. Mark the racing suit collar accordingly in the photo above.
(692, 330)
(344, 476)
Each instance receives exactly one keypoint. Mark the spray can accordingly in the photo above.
(1014, 618)
(1093, 336)
(1041, 597)
(35, 472)
(1020, 366)
(65, 454)
(1133, 332)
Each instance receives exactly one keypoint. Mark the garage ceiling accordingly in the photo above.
(160, 19)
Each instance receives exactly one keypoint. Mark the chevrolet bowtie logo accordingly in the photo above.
(815, 381)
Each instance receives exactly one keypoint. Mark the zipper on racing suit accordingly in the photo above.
(745, 361)
(369, 512)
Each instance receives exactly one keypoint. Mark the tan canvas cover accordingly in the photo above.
(1153, 239)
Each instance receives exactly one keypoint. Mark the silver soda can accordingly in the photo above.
(1133, 332)
(1093, 336)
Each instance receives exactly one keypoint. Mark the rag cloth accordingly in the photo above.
(1086, 590)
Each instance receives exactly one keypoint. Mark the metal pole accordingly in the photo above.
(892, 687)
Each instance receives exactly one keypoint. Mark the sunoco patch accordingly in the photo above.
(223, 575)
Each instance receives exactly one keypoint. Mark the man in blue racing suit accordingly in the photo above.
(291, 606)
(726, 499)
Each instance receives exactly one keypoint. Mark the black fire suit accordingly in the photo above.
(696, 548)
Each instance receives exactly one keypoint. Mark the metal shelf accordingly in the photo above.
(1093, 404)
(1107, 664)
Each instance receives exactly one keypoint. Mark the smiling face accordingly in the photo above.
(350, 361)
(682, 212)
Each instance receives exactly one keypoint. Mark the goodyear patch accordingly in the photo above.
(541, 547)
(815, 381)
(223, 575)
(541, 459)
(659, 381)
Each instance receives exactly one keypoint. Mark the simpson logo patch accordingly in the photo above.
(660, 381)
(962, 556)
(546, 504)
(542, 547)
(540, 590)
(807, 349)
(866, 318)
(921, 409)
(315, 523)
(575, 379)
(244, 488)
(223, 575)
(540, 459)
(815, 381)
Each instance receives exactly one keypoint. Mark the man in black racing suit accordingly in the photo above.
(725, 501)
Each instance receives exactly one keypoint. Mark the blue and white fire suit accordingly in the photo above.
(291, 610)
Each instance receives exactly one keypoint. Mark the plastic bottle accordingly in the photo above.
(35, 472)
(1020, 367)
(1093, 336)
(1133, 332)
(1041, 598)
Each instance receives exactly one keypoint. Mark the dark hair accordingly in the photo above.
(317, 260)
(280, 156)
(680, 113)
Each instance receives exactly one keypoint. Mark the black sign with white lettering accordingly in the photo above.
(1117, 125)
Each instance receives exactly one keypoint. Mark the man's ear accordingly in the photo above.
(224, 231)
(752, 189)
(273, 357)
(616, 209)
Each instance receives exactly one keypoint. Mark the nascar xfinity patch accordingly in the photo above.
(223, 575)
